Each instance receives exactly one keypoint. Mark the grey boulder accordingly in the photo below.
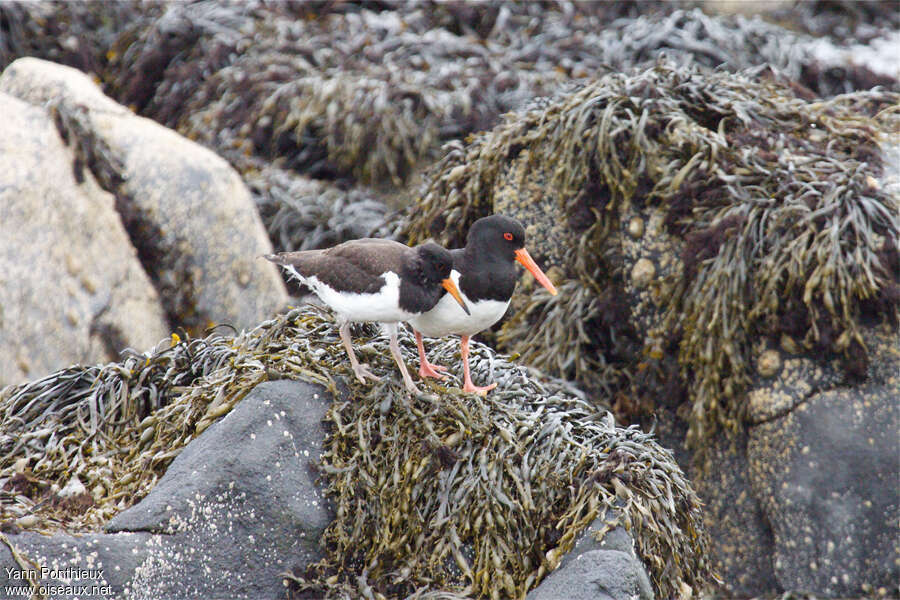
(72, 289)
(187, 212)
(826, 477)
(608, 569)
(235, 509)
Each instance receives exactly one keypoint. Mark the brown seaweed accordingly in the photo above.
(499, 486)
(781, 192)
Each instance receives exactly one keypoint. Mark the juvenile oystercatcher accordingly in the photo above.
(487, 277)
(375, 280)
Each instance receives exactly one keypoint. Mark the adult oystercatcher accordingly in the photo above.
(487, 277)
(375, 280)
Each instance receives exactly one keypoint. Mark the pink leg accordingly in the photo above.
(360, 370)
(426, 369)
(468, 386)
(395, 350)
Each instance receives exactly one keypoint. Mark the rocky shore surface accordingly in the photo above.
(708, 408)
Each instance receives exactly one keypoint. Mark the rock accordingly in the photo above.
(187, 211)
(595, 575)
(252, 513)
(72, 562)
(70, 280)
(224, 522)
(237, 507)
(798, 378)
(826, 478)
(592, 570)
(670, 341)
(742, 542)
(806, 497)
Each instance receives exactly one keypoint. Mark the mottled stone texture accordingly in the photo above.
(236, 508)
(826, 477)
(187, 212)
(71, 286)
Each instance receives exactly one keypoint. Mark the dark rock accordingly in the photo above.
(742, 539)
(592, 570)
(242, 496)
(70, 280)
(235, 509)
(826, 478)
(595, 575)
(108, 562)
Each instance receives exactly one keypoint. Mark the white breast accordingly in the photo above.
(383, 306)
(448, 317)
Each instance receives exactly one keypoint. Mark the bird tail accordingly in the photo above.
(275, 258)
(292, 262)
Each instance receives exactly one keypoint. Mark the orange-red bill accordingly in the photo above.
(454, 291)
(523, 257)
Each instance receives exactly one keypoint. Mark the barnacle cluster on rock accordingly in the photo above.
(772, 199)
(499, 486)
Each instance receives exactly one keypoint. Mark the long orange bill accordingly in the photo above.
(454, 291)
(523, 257)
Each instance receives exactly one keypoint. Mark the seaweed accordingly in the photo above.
(304, 214)
(773, 200)
(369, 91)
(499, 487)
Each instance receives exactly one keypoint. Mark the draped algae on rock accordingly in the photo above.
(772, 201)
(499, 487)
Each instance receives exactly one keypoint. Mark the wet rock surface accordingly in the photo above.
(235, 509)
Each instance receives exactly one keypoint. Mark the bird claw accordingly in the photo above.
(362, 371)
(412, 389)
(427, 369)
(471, 388)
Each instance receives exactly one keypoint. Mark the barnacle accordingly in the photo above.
(446, 493)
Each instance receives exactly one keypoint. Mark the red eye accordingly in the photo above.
(507, 236)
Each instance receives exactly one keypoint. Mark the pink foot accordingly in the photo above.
(468, 386)
(426, 369)
(471, 388)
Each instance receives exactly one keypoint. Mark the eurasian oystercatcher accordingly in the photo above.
(487, 277)
(375, 280)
